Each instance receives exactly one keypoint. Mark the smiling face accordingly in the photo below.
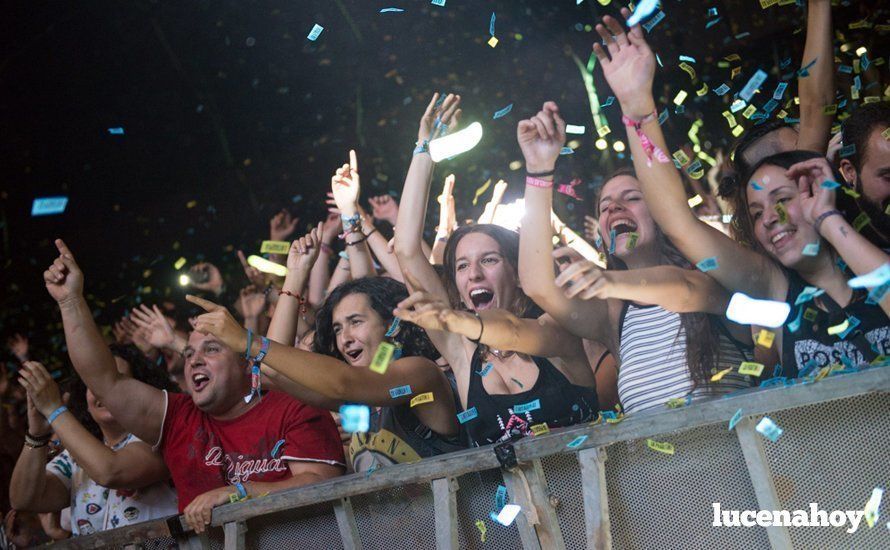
(783, 239)
(358, 329)
(622, 210)
(216, 377)
(483, 277)
(100, 414)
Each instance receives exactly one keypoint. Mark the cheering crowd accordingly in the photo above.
(390, 351)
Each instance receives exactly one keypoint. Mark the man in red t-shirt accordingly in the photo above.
(214, 442)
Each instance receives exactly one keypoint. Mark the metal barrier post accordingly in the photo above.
(346, 523)
(538, 524)
(445, 503)
(234, 535)
(762, 479)
(596, 498)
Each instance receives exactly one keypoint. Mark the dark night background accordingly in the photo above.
(231, 114)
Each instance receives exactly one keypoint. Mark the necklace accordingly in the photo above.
(501, 354)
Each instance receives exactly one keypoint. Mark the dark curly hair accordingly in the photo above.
(383, 295)
(701, 329)
(142, 369)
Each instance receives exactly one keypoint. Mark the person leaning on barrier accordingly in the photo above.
(217, 444)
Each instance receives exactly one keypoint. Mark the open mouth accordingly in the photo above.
(782, 238)
(200, 381)
(482, 298)
(622, 225)
(354, 354)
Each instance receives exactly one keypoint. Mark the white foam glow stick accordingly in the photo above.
(266, 266)
(747, 311)
(644, 10)
(507, 514)
(456, 143)
(874, 278)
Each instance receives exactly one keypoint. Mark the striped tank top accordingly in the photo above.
(652, 350)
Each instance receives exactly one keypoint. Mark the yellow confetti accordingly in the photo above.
(750, 368)
(719, 376)
(767, 3)
(661, 447)
(681, 157)
(191, 204)
(783, 214)
(382, 357)
(703, 91)
(733, 57)
(695, 201)
(603, 131)
(680, 97)
(736, 71)
(837, 329)
(886, 134)
(688, 68)
(737, 131)
(870, 99)
(750, 110)
(765, 338)
(179, 263)
(829, 109)
(540, 429)
(422, 398)
(275, 247)
(492, 41)
(730, 118)
(861, 221)
(481, 190)
(810, 314)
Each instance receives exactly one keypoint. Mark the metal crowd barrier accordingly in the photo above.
(611, 491)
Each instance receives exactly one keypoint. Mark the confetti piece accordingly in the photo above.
(873, 506)
(438, 3)
(829, 109)
(315, 32)
(611, 99)
(829, 184)
(527, 407)
(612, 235)
(873, 278)
(507, 514)
(500, 497)
(482, 529)
(491, 24)
(811, 249)
(688, 68)
(656, 19)
(765, 338)
(681, 157)
(644, 10)
(721, 90)
(400, 391)
(886, 134)
(768, 429)
(467, 415)
(695, 201)
(783, 214)
(861, 221)
(837, 329)
(493, 41)
(277, 448)
(482, 189)
(422, 398)
(566, 151)
(745, 310)
(485, 370)
(737, 106)
(753, 83)
(702, 91)
(179, 263)
(456, 143)
(750, 368)
(575, 443)
(749, 111)
(391, 10)
(680, 97)
(116, 131)
(687, 58)
(712, 22)
(573, 129)
(678, 402)
(663, 116)
(708, 264)
(540, 429)
(695, 171)
(730, 119)
(382, 357)
(735, 419)
(355, 418)
(275, 247)
(719, 376)
(661, 447)
(804, 71)
(632, 240)
(48, 206)
(807, 294)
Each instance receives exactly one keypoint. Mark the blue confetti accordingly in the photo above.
(612, 241)
(400, 391)
(857, 82)
(708, 264)
(807, 294)
(48, 206)
(438, 3)
(467, 415)
(811, 249)
(712, 12)
(566, 151)
(780, 91)
(735, 419)
(784, 63)
(577, 442)
(687, 58)
(355, 418)
(315, 32)
(865, 63)
(503, 112)
(768, 429)
(804, 70)
(118, 131)
(500, 497)
(644, 10)
(663, 116)
(649, 25)
(770, 105)
(847, 150)
(491, 25)
(391, 10)
(873, 278)
(753, 83)
(721, 90)
(527, 407)
(712, 22)
(277, 448)
(846, 69)
(296, 198)
(485, 370)
(609, 100)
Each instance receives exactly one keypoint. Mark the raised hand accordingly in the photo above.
(582, 278)
(158, 331)
(834, 146)
(304, 251)
(220, 323)
(815, 199)
(251, 302)
(254, 275)
(491, 206)
(282, 225)
(629, 66)
(346, 186)
(64, 279)
(330, 228)
(447, 114)
(206, 276)
(43, 393)
(425, 310)
(18, 346)
(384, 207)
(541, 138)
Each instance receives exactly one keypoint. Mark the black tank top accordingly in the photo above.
(553, 400)
(810, 346)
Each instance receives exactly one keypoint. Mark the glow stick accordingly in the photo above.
(456, 143)
(747, 311)
(266, 266)
(874, 278)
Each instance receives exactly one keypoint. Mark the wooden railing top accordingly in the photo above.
(652, 423)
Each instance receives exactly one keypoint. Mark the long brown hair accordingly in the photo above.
(701, 329)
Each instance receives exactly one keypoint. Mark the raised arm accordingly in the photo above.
(383, 208)
(346, 187)
(629, 68)
(133, 467)
(320, 275)
(540, 139)
(816, 85)
(138, 407)
(671, 287)
(491, 206)
(447, 221)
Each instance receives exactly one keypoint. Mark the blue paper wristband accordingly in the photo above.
(242, 492)
(55, 414)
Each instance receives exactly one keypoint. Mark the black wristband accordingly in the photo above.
(541, 174)
(481, 330)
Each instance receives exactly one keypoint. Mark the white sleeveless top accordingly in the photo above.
(652, 350)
